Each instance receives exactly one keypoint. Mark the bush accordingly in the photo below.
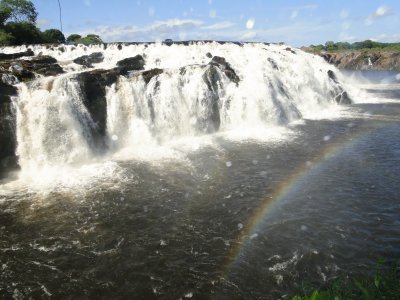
(6, 39)
(53, 36)
(73, 38)
(90, 39)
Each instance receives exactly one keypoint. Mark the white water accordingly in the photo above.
(54, 127)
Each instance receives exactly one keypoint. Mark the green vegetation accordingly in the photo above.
(364, 46)
(89, 39)
(17, 27)
(384, 284)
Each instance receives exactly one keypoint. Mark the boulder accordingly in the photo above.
(89, 60)
(28, 52)
(148, 74)
(93, 86)
(8, 158)
(127, 65)
(25, 70)
(225, 67)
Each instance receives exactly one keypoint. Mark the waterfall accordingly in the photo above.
(53, 125)
(184, 90)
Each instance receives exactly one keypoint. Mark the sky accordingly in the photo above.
(297, 23)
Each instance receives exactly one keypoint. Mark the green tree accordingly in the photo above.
(73, 38)
(6, 39)
(24, 33)
(89, 39)
(5, 14)
(21, 11)
(53, 36)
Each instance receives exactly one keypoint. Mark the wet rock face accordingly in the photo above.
(8, 159)
(361, 60)
(339, 94)
(28, 52)
(93, 86)
(126, 65)
(226, 68)
(25, 70)
(89, 60)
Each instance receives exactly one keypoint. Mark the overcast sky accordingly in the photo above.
(294, 22)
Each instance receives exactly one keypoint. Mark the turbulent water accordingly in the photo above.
(204, 187)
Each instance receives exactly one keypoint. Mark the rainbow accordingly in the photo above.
(292, 183)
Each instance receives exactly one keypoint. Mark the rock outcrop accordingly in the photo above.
(364, 60)
(8, 158)
(89, 60)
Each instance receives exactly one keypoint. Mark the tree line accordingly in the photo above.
(18, 26)
(364, 45)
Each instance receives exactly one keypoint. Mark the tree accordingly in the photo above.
(73, 38)
(90, 39)
(5, 14)
(20, 11)
(6, 39)
(24, 33)
(53, 36)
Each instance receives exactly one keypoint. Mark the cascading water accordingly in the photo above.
(188, 94)
(53, 125)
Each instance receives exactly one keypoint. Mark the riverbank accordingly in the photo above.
(362, 59)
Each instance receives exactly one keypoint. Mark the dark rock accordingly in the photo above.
(43, 60)
(332, 76)
(9, 79)
(226, 68)
(340, 95)
(290, 50)
(28, 52)
(8, 143)
(273, 63)
(126, 65)
(147, 75)
(88, 60)
(208, 54)
(93, 86)
(119, 47)
(343, 98)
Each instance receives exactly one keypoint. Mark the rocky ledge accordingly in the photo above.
(364, 60)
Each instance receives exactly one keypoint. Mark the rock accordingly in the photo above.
(9, 79)
(93, 86)
(147, 75)
(332, 76)
(28, 52)
(126, 65)
(208, 54)
(226, 68)
(25, 70)
(340, 95)
(290, 50)
(273, 63)
(88, 60)
(364, 60)
(343, 98)
(8, 143)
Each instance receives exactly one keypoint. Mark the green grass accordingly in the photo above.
(383, 284)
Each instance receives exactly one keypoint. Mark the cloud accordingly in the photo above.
(248, 35)
(381, 12)
(87, 2)
(219, 26)
(158, 30)
(294, 14)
